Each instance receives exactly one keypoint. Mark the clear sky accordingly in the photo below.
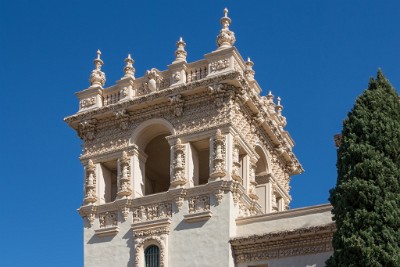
(317, 55)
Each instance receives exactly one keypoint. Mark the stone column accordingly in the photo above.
(125, 188)
(178, 163)
(218, 148)
(90, 183)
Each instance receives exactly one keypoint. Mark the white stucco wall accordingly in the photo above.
(204, 243)
(108, 251)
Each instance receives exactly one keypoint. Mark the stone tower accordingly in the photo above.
(172, 159)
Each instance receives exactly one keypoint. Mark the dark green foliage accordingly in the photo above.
(366, 199)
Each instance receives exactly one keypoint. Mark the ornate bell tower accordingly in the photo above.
(171, 159)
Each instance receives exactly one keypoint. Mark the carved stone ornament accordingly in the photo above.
(249, 72)
(180, 53)
(97, 78)
(154, 79)
(125, 189)
(88, 212)
(226, 38)
(152, 212)
(218, 167)
(178, 167)
(129, 70)
(216, 88)
(199, 203)
(123, 117)
(87, 102)
(291, 243)
(86, 129)
(236, 192)
(236, 163)
(219, 64)
(219, 195)
(252, 178)
(108, 219)
(176, 103)
(90, 183)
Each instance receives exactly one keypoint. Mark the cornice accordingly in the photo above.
(296, 242)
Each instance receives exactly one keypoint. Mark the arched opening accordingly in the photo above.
(151, 161)
(152, 256)
(157, 167)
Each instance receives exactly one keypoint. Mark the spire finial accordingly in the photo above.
(279, 107)
(97, 78)
(226, 38)
(129, 70)
(249, 72)
(180, 53)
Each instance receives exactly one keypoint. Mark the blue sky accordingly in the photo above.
(316, 55)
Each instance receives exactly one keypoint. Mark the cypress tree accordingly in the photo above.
(366, 199)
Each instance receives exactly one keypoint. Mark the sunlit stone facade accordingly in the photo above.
(194, 161)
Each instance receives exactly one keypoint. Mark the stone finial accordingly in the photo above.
(249, 72)
(226, 38)
(270, 96)
(279, 107)
(129, 70)
(97, 78)
(180, 52)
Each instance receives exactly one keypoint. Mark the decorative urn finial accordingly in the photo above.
(226, 38)
(97, 78)
(129, 70)
(180, 52)
(249, 72)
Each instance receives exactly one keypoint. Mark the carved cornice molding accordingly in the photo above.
(296, 242)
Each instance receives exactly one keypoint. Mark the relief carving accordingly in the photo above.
(90, 185)
(199, 203)
(108, 219)
(152, 212)
(125, 189)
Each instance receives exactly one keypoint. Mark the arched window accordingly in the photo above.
(152, 256)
